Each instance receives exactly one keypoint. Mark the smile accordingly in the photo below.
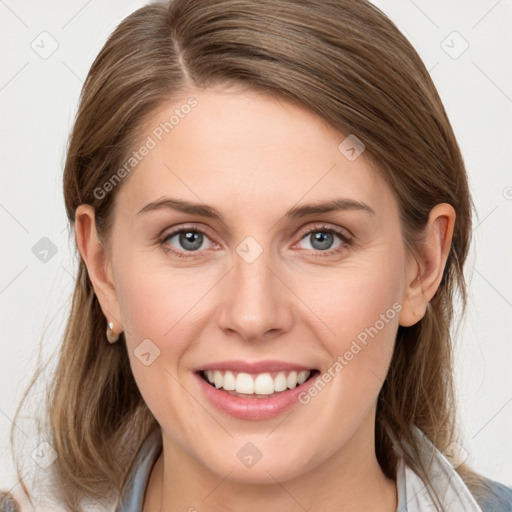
(254, 391)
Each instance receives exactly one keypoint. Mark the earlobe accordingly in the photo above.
(424, 277)
(95, 257)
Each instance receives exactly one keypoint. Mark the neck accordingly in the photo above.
(349, 480)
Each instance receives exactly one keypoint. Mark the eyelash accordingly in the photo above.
(346, 240)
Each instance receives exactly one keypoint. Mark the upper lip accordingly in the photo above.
(253, 367)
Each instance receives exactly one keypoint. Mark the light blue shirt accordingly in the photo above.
(412, 495)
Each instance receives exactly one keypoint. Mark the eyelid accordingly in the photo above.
(319, 226)
(168, 233)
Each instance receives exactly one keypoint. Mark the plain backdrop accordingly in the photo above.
(46, 50)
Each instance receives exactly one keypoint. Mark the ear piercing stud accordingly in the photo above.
(112, 337)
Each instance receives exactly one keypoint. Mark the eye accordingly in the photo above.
(185, 240)
(323, 238)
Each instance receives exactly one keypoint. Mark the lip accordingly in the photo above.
(267, 365)
(252, 408)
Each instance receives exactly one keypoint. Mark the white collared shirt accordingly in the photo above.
(412, 492)
(452, 492)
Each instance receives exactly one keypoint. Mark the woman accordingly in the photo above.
(272, 215)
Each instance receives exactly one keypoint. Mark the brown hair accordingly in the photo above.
(341, 59)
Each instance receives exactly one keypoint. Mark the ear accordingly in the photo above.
(425, 270)
(98, 264)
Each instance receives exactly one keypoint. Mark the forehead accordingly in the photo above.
(246, 151)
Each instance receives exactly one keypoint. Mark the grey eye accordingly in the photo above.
(321, 240)
(187, 240)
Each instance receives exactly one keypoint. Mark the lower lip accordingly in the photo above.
(253, 408)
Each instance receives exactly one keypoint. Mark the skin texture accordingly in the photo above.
(253, 157)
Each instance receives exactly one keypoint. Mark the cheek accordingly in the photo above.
(162, 310)
(157, 300)
(348, 301)
(157, 307)
(356, 318)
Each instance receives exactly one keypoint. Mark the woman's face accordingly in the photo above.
(261, 285)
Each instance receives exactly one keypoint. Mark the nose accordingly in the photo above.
(257, 304)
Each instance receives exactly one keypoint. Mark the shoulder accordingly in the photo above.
(41, 495)
(495, 497)
(8, 503)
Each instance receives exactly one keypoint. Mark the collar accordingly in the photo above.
(452, 492)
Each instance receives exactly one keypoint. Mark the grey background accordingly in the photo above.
(46, 50)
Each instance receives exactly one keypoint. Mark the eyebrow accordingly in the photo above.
(341, 204)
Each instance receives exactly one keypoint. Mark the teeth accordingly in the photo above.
(229, 381)
(280, 382)
(261, 384)
(217, 379)
(291, 381)
(244, 384)
(302, 377)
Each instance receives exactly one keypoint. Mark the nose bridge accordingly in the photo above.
(256, 302)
